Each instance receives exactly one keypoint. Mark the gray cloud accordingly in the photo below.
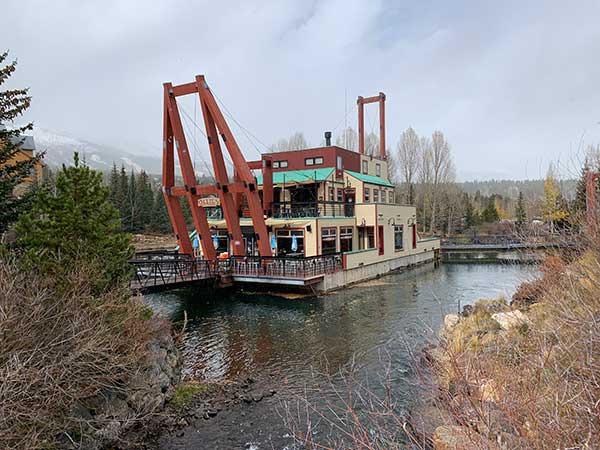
(513, 84)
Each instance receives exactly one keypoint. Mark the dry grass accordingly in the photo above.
(536, 385)
(59, 351)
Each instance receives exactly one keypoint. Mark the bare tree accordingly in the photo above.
(407, 153)
(348, 139)
(371, 144)
(442, 171)
(297, 141)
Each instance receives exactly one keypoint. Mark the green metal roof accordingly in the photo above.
(299, 176)
(369, 179)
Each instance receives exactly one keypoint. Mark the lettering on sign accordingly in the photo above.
(207, 202)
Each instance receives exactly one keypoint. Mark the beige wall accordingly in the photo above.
(372, 165)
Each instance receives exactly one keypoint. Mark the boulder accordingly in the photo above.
(510, 319)
(450, 321)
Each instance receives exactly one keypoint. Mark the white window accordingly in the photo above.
(339, 163)
(275, 164)
(376, 195)
(367, 195)
(378, 169)
(283, 164)
(365, 167)
(391, 194)
(318, 160)
(309, 161)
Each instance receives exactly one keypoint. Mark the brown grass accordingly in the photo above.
(59, 351)
(536, 385)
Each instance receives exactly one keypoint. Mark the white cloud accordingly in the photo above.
(513, 85)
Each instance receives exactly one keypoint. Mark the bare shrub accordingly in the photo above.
(58, 351)
(536, 384)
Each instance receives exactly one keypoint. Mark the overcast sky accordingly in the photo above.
(513, 84)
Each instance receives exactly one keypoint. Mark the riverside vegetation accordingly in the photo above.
(525, 375)
(81, 362)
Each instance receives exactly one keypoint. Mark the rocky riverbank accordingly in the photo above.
(522, 375)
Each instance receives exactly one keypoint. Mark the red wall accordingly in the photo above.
(295, 158)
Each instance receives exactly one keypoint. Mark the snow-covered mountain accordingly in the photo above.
(59, 148)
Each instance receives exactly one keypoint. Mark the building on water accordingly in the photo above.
(331, 215)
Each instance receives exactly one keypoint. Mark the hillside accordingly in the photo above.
(59, 148)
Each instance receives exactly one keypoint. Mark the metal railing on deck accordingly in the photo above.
(294, 210)
(282, 267)
(153, 271)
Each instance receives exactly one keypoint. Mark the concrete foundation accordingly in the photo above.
(344, 278)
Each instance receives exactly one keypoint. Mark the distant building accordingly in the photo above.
(26, 151)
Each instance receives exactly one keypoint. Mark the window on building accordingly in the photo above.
(346, 239)
(328, 241)
(285, 239)
(365, 166)
(398, 237)
(367, 195)
(340, 195)
(376, 195)
(339, 163)
(331, 194)
(313, 161)
(275, 164)
(370, 237)
(280, 164)
(391, 195)
(378, 169)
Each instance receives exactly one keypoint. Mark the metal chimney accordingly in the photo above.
(328, 138)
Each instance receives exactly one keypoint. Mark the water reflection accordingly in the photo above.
(234, 334)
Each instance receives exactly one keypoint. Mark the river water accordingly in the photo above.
(288, 340)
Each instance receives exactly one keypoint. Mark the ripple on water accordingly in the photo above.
(230, 335)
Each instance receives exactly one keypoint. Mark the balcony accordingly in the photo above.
(297, 210)
(284, 270)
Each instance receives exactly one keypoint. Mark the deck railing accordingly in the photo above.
(169, 270)
(285, 267)
(294, 210)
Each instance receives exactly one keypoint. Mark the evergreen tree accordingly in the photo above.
(123, 186)
(470, 213)
(114, 186)
(76, 226)
(13, 103)
(145, 202)
(130, 207)
(160, 221)
(490, 213)
(520, 213)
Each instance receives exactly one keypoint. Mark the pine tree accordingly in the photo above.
(123, 197)
(160, 221)
(13, 103)
(490, 213)
(470, 214)
(520, 213)
(76, 226)
(145, 201)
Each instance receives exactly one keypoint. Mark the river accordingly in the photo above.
(288, 340)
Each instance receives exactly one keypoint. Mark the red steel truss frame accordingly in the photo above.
(230, 193)
(361, 102)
